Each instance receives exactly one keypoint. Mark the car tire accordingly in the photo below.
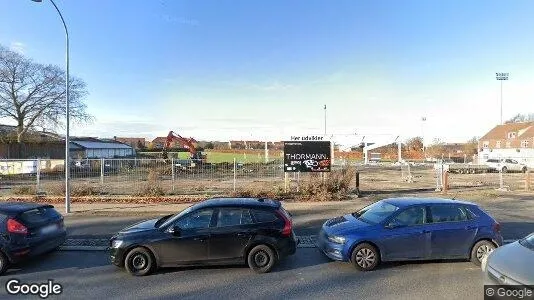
(504, 169)
(4, 263)
(139, 262)
(365, 257)
(480, 249)
(524, 170)
(261, 259)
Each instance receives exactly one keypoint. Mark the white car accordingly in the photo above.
(506, 165)
(510, 264)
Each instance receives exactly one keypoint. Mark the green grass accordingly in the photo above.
(219, 157)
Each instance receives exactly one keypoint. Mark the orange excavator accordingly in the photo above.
(188, 143)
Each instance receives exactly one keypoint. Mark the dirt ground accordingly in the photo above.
(372, 179)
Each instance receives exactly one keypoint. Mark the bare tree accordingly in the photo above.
(34, 94)
(471, 147)
(521, 118)
(415, 143)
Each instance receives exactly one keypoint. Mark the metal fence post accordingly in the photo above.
(266, 153)
(410, 178)
(286, 181)
(439, 176)
(172, 172)
(501, 183)
(38, 189)
(102, 171)
(527, 180)
(235, 171)
(445, 182)
(357, 189)
(298, 181)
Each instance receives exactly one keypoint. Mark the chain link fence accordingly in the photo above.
(141, 177)
(158, 177)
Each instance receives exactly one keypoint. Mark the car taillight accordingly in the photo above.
(14, 226)
(497, 227)
(286, 231)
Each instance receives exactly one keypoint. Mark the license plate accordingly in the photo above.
(49, 229)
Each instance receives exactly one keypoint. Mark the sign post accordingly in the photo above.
(307, 156)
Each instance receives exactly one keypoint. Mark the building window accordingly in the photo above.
(511, 135)
(524, 144)
(485, 144)
(498, 144)
(508, 144)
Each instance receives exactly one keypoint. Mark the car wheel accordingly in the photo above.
(261, 259)
(365, 257)
(139, 262)
(504, 169)
(481, 249)
(524, 170)
(4, 263)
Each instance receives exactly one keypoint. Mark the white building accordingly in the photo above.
(96, 148)
(515, 141)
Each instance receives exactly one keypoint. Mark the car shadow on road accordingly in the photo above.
(396, 191)
(58, 260)
(516, 230)
(303, 258)
(398, 264)
(97, 228)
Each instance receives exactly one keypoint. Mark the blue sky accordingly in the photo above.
(264, 69)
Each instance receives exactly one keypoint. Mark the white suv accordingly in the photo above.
(506, 165)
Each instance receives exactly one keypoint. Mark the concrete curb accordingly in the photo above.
(83, 248)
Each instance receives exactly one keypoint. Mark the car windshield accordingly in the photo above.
(528, 242)
(376, 213)
(166, 220)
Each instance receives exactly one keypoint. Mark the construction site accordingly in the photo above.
(176, 165)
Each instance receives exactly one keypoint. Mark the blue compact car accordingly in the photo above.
(400, 229)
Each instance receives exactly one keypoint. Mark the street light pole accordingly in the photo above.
(501, 77)
(423, 119)
(325, 119)
(67, 106)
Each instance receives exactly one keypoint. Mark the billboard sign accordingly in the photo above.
(307, 156)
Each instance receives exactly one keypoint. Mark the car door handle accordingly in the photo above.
(424, 231)
(201, 239)
(470, 227)
(242, 234)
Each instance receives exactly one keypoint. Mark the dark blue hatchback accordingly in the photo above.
(399, 229)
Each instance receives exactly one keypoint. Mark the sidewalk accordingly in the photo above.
(131, 208)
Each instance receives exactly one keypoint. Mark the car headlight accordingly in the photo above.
(116, 243)
(336, 239)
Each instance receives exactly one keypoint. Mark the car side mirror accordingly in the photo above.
(175, 230)
(393, 225)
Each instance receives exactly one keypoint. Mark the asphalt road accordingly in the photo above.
(306, 275)
(515, 224)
